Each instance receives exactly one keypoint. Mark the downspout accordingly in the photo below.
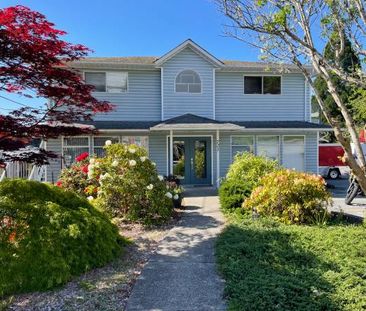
(218, 158)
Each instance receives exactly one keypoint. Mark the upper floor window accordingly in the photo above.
(262, 85)
(188, 81)
(112, 82)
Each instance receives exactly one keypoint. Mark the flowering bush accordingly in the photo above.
(75, 178)
(290, 197)
(130, 186)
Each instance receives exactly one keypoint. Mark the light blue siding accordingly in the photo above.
(158, 151)
(175, 104)
(141, 102)
(233, 105)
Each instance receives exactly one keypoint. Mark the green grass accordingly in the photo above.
(268, 266)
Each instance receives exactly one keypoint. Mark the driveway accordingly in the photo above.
(358, 207)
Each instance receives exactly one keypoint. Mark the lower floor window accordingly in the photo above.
(294, 152)
(240, 144)
(73, 146)
(293, 148)
(269, 146)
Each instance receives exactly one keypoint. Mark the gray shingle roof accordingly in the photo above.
(194, 119)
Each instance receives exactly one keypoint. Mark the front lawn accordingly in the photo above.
(270, 266)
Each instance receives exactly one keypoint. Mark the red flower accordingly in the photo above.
(59, 183)
(82, 156)
(85, 169)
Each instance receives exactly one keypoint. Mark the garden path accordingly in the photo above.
(182, 274)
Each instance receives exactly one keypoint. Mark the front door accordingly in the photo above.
(192, 160)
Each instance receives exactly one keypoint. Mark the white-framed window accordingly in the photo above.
(74, 146)
(188, 81)
(240, 144)
(269, 146)
(293, 154)
(99, 143)
(142, 141)
(110, 81)
(262, 85)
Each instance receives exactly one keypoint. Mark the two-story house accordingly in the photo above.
(194, 112)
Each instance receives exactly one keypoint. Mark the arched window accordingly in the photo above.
(188, 81)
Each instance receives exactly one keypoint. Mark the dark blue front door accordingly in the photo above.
(192, 160)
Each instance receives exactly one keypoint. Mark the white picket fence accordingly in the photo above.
(24, 170)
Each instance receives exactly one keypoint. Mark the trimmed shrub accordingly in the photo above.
(48, 235)
(232, 194)
(129, 185)
(290, 197)
(243, 176)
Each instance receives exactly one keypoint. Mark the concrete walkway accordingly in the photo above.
(182, 274)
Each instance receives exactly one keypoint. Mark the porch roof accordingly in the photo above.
(193, 122)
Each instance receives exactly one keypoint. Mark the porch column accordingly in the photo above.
(171, 153)
(217, 158)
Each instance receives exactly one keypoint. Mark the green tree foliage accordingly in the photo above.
(48, 235)
(350, 62)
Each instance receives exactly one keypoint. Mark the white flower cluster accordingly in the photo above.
(161, 178)
(115, 163)
(150, 187)
(108, 142)
(169, 195)
(131, 150)
(132, 163)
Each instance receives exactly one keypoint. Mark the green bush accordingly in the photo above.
(290, 197)
(130, 187)
(232, 194)
(243, 176)
(48, 235)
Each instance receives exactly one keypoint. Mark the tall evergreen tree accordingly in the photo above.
(349, 62)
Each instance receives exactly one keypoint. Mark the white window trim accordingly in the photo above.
(63, 146)
(187, 93)
(231, 144)
(305, 155)
(106, 86)
(262, 75)
(279, 160)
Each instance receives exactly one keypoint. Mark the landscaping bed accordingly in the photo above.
(272, 266)
(106, 288)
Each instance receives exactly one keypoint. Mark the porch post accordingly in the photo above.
(171, 153)
(217, 158)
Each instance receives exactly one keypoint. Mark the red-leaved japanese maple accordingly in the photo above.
(33, 63)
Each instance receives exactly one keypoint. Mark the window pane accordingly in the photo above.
(117, 82)
(76, 141)
(241, 149)
(294, 152)
(188, 81)
(70, 154)
(195, 88)
(253, 85)
(272, 85)
(242, 140)
(142, 141)
(268, 146)
(186, 78)
(96, 79)
(179, 87)
(100, 141)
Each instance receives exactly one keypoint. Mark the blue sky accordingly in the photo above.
(136, 28)
(141, 27)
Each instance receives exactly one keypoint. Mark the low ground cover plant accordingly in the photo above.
(272, 266)
(242, 177)
(48, 235)
(124, 183)
(290, 197)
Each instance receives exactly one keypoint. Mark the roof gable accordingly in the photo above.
(195, 48)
